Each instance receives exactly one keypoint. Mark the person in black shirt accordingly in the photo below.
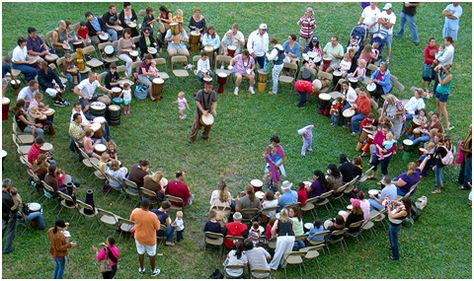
(408, 15)
(206, 103)
(8, 222)
(346, 168)
(111, 77)
(164, 217)
(213, 225)
(110, 19)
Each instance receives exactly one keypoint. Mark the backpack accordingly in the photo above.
(449, 157)
(141, 92)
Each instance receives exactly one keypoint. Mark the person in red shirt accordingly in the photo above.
(427, 73)
(304, 87)
(35, 150)
(363, 107)
(179, 189)
(83, 33)
(235, 228)
(302, 194)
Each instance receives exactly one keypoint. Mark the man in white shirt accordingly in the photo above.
(28, 92)
(448, 55)
(257, 44)
(451, 14)
(369, 17)
(237, 38)
(21, 62)
(86, 90)
(414, 104)
(386, 21)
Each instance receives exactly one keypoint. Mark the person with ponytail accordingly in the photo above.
(59, 247)
(109, 253)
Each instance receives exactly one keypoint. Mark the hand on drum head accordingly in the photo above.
(205, 112)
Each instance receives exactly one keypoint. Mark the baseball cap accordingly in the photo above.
(387, 6)
(263, 26)
(314, 38)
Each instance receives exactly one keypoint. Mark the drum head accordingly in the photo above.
(208, 49)
(100, 120)
(337, 73)
(312, 54)
(259, 194)
(353, 80)
(336, 95)
(308, 225)
(349, 207)
(97, 105)
(348, 112)
(222, 74)
(371, 87)
(100, 147)
(132, 24)
(116, 90)
(305, 57)
(407, 142)
(207, 79)
(104, 36)
(416, 121)
(49, 111)
(367, 131)
(256, 183)
(14, 82)
(158, 81)
(326, 58)
(193, 33)
(47, 146)
(417, 130)
(207, 119)
(324, 97)
(4, 153)
(317, 84)
(371, 136)
(34, 207)
(232, 48)
(95, 127)
(5, 100)
(152, 50)
(114, 107)
(109, 49)
(374, 192)
(134, 53)
(51, 57)
(317, 59)
(163, 182)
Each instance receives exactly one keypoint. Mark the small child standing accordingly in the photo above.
(112, 150)
(306, 134)
(335, 112)
(360, 71)
(127, 98)
(179, 224)
(255, 233)
(182, 105)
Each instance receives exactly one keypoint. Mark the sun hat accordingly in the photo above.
(237, 216)
(387, 6)
(355, 202)
(286, 185)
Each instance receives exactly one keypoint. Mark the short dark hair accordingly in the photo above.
(274, 41)
(87, 14)
(166, 205)
(339, 219)
(144, 163)
(449, 39)
(148, 57)
(293, 36)
(31, 29)
(126, 4)
(32, 83)
(342, 158)
(145, 203)
(113, 65)
(82, 23)
(39, 140)
(111, 240)
(126, 30)
(77, 103)
(111, 6)
(275, 138)
(246, 53)
(20, 40)
(74, 117)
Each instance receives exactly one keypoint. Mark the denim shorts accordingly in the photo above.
(388, 40)
(442, 97)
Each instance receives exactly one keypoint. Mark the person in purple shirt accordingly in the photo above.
(243, 66)
(319, 185)
(409, 178)
(35, 45)
(280, 156)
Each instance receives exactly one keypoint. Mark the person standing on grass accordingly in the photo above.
(58, 248)
(276, 55)
(307, 25)
(465, 173)
(386, 21)
(427, 72)
(451, 14)
(397, 211)
(443, 90)
(146, 226)
(441, 151)
(206, 102)
(108, 255)
(408, 15)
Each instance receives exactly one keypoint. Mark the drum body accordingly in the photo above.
(353, 81)
(414, 124)
(174, 26)
(158, 87)
(325, 104)
(41, 120)
(114, 114)
(417, 132)
(116, 91)
(326, 63)
(51, 58)
(262, 78)
(97, 108)
(347, 114)
(152, 51)
(231, 51)
(100, 148)
(50, 114)
(207, 120)
(408, 148)
(336, 75)
(109, 51)
(221, 80)
(5, 108)
(97, 128)
(371, 88)
(16, 86)
(194, 38)
(133, 55)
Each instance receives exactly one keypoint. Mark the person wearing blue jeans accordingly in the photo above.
(355, 122)
(383, 163)
(59, 247)
(393, 230)
(424, 138)
(59, 268)
(397, 211)
(408, 15)
(20, 62)
(38, 216)
(164, 217)
(8, 231)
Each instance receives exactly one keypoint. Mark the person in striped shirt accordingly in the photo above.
(307, 25)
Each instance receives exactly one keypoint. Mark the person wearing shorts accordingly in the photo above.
(443, 90)
(146, 226)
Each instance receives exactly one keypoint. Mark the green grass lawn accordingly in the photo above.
(437, 246)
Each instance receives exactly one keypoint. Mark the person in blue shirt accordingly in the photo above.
(292, 48)
(288, 196)
(317, 228)
(451, 14)
(389, 191)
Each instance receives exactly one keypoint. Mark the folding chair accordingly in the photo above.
(340, 234)
(163, 74)
(179, 72)
(125, 226)
(322, 243)
(355, 225)
(295, 258)
(149, 194)
(106, 218)
(311, 253)
(260, 273)
(214, 239)
(93, 62)
(64, 198)
(234, 267)
(176, 202)
(86, 211)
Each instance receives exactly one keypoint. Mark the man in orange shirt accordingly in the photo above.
(363, 107)
(146, 225)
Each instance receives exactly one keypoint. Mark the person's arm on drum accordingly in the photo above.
(199, 106)
(104, 89)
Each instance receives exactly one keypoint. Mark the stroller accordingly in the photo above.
(356, 39)
(379, 38)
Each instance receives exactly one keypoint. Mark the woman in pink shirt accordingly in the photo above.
(382, 156)
(108, 257)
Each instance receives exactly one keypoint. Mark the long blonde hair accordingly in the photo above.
(223, 192)
(411, 168)
(284, 216)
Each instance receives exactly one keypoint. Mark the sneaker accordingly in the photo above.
(251, 90)
(58, 103)
(450, 127)
(156, 272)
(416, 43)
(141, 270)
(66, 103)
(236, 91)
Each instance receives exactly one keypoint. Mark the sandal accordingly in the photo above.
(436, 191)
